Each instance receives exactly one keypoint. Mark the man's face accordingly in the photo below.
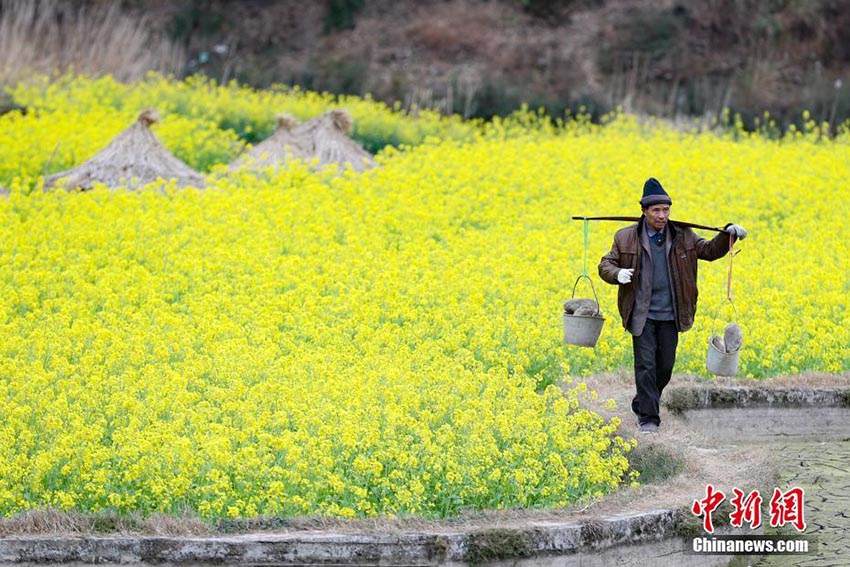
(657, 216)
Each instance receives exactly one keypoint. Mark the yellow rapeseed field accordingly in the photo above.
(298, 342)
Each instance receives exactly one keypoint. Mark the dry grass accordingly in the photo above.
(276, 150)
(133, 159)
(160, 524)
(458, 30)
(47, 36)
(327, 139)
(49, 521)
(45, 521)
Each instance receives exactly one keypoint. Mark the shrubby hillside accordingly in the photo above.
(483, 57)
(478, 58)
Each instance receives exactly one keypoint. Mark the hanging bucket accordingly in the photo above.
(721, 363)
(583, 330)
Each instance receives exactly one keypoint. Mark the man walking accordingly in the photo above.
(654, 263)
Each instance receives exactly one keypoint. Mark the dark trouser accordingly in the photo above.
(655, 354)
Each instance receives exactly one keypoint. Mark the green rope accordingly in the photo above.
(586, 230)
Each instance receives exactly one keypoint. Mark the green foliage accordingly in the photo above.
(543, 8)
(342, 75)
(342, 14)
(195, 16)
(551, 9)
(247, 112)
(655, 463)
(651, 30)
(499, 543)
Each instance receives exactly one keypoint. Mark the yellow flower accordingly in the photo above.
(301, 342)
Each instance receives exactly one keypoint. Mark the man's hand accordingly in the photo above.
(624, 276)
(738, 231)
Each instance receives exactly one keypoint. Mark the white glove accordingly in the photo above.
(738, 231)
(624, 276)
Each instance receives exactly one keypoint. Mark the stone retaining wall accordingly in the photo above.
(571, 543)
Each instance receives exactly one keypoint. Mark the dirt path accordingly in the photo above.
(802, 445)
(821, 469)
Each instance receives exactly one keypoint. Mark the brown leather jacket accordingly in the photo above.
(686, 248)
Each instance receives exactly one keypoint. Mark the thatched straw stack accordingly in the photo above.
(133, 159)
(325, 138)
(276, 150)
(328, 139)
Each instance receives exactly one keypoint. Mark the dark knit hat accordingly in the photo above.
(654, 194)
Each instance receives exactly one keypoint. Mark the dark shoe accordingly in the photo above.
(649, 427)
